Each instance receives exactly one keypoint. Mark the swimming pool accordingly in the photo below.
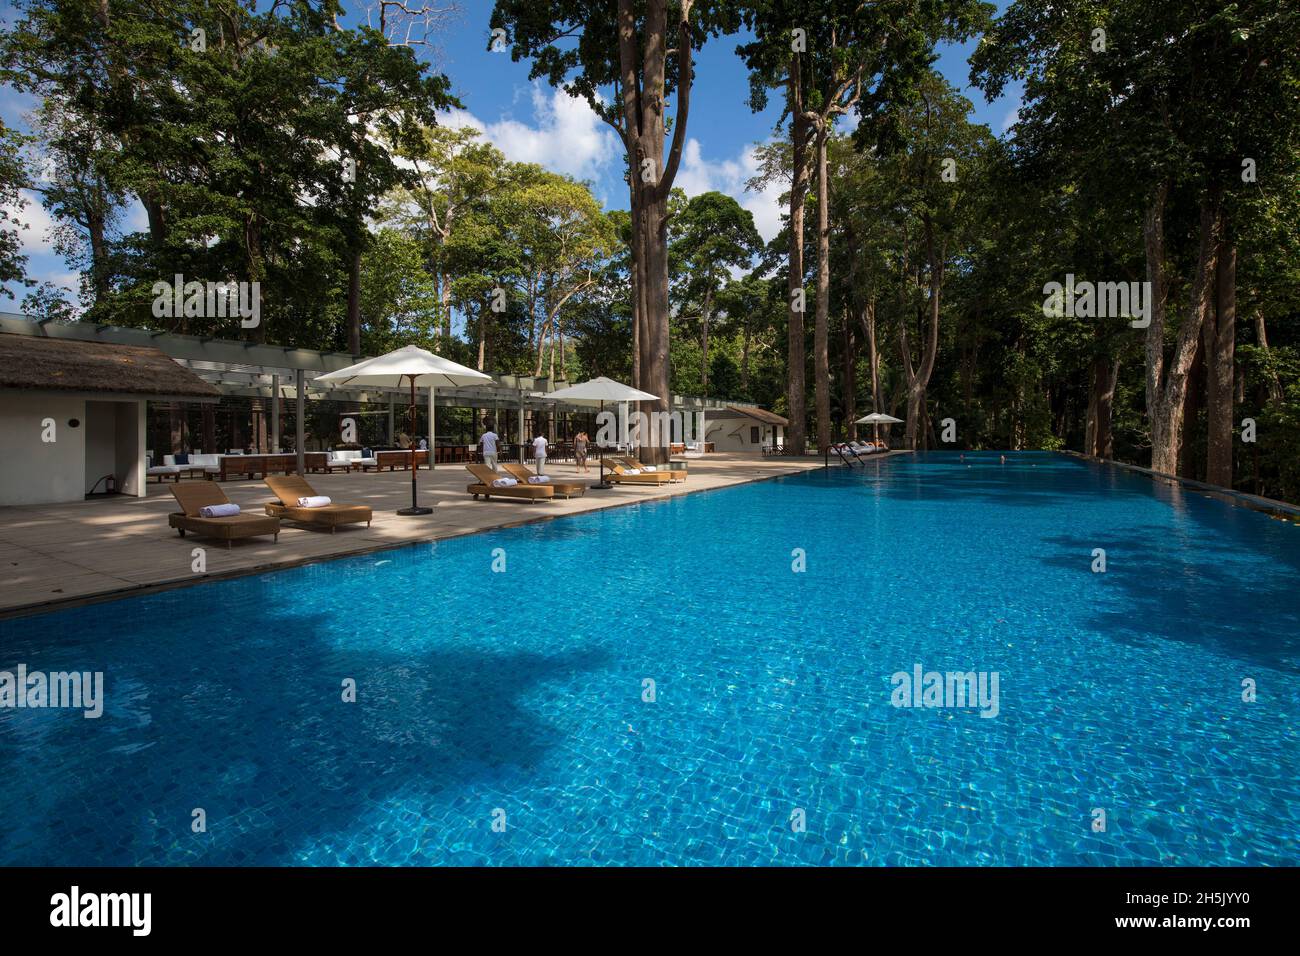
(519, 697)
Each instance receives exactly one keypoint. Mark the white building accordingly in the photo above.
(72, 415)
(744, 428)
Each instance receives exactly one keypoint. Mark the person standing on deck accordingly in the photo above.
(580, 452)
(539, 454)
(488, 443)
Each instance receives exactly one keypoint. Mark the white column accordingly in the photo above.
(433, 424)
(134, 480)
(299, 423)
(275, 413)
(523, 435)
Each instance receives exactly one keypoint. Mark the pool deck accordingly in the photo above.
(52, 555)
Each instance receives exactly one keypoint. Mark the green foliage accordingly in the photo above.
(13, 177)
(258, 148)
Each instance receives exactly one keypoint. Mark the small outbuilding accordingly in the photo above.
(72, 415)
(745, 428)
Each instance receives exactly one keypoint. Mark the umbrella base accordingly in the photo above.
(601, 486)
(414, 511)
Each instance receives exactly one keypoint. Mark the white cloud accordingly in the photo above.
(567, 136)
(70, 282)
(36, 224)
(1011, 118)
(698, 175)
(136, 218)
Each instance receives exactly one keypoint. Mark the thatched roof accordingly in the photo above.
(67, 365)
(760, 414)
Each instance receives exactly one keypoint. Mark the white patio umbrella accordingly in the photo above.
(877, 419)
(598, 391)
(416, 366)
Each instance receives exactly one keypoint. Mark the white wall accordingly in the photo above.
(33, 471)
(733, 434)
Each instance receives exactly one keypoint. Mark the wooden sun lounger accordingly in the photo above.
(566, 489)
(619, 475)
(484, 486)
(196, 495)
(292, 487)
(676, 474)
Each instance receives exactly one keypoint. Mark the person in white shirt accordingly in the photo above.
(488, 441)
(539, 454)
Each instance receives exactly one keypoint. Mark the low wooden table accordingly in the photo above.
(252, 466)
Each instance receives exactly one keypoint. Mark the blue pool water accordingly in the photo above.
(522, 691)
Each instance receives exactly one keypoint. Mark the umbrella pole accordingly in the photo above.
(600, 449)
(415, 509)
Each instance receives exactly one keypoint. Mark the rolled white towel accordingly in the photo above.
(313, 501)
(504, 482)
(539, 479)
(650, 468)
(219, 511)
(634, 471)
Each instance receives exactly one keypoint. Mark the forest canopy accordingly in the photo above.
(1118, 273)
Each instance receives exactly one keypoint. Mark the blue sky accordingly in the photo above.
(529, 121)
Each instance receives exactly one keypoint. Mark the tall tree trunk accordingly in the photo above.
(1090, 421)
(654, 344)
(446, 313)
(642, 81)
(541, 348)
(1166, 383)
(532, 313)
(1219, 363)
(796, 386)
(1261, 339)
(1099, 440)
(636, 308)
(704, 339)
(744, 357)
(821, 333)
(550, 368)
(849, 387)
(868, 319)
(256, 262)
(1193, 399)
(918, 376)
(439, 280)
(354, 305)
(482, 337)
(99, 268)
